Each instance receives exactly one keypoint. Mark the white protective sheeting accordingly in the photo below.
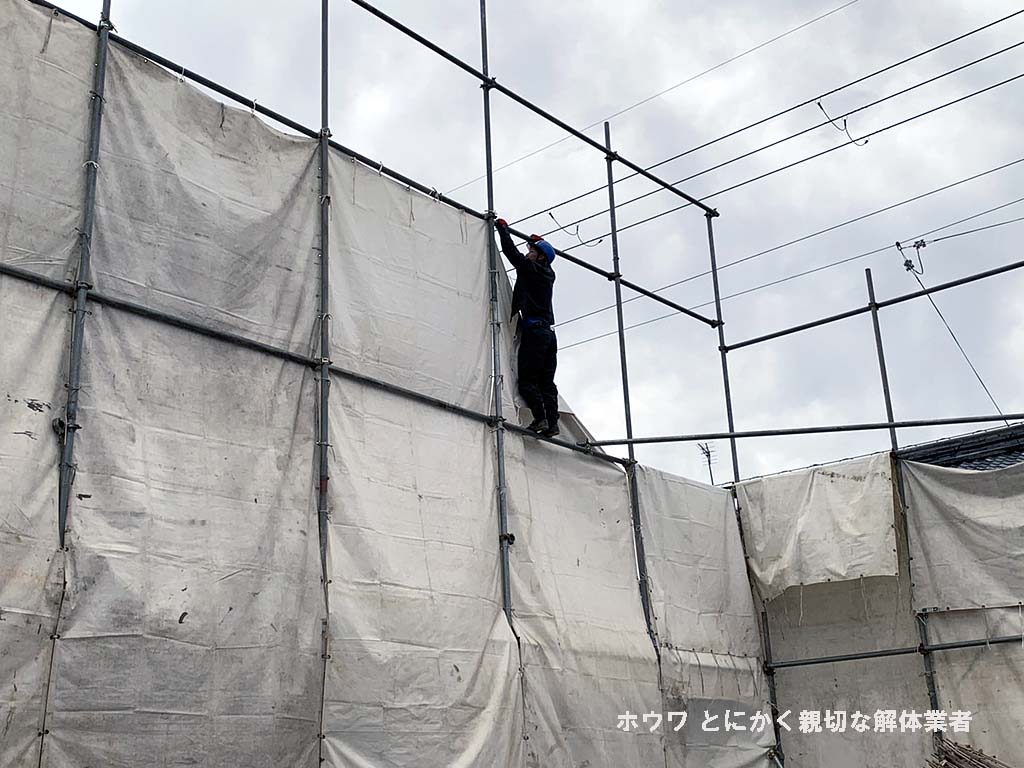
(966, 536)
(33, 335)
(423, 665)
(46, 63)
(712, 688)
(587, 657)
(203, 210)
(190, 633)
(409, 288)
(822, 524)
(849, 617)
(704, 617)
(695, 564)
(987, 681)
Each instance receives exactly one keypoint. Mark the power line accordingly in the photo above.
(959, 345)
(804, 238)
(786, 111)
(979, 229)
(783, 140)
(817, 155)
(660, 93)
(821, 268)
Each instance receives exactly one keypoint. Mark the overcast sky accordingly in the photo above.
(585, 59)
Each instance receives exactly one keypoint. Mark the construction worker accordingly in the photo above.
(538, 347)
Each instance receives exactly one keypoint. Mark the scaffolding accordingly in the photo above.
(83, 292)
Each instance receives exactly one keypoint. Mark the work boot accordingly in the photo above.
(552, 429)
(538, 426)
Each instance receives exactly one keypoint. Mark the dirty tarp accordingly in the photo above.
(822, 524)
(966, 535)
(695, 563)
(987, 681)
(203, 210)
(704, 616)
(191, 626)
(587, 657)
(849, 617)
(33, 333)
(409, 288)
(47, 63)
(423, 667)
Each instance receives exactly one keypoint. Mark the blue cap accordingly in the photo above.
(543, 246)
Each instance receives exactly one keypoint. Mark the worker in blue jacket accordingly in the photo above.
(538, 347)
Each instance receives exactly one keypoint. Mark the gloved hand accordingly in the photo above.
(501, 224)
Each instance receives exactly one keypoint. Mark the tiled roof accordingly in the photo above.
(991, 449)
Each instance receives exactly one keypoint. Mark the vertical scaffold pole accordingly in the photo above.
(504, 539)
(921, 619)
(766, 642)
(634, 494)
(323, 425)
(881, 358)
(83, 279)
(82, 286)
(722, 350)
(323, 438)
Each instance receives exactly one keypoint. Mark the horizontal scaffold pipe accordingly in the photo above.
(904, 651)
(808, 430)
(490, 82)
(237, 340)
(881, 305)
(384, 170)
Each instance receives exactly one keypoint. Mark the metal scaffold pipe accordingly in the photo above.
(324, 362)
(879, 305)
(501, 490)
(634, 491)
(490, 82)
(83, 278)
(369, 162)
(807, 430)
(883, 372)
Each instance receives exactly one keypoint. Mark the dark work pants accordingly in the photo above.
(538, 357)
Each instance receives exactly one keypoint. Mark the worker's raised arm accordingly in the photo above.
(508, 247)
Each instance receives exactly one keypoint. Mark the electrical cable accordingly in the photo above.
(660, 93)
(815, 156)
(786, 111)
(783, 140)
(804, 238)
(812, 271)
(961, 346)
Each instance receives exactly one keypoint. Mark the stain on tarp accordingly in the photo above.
(26, 433)
(37, 405)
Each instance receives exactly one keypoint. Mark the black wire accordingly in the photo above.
(777, 142)
(662, 92)
(814, 270)
(979, 229)
(817, 155)
(958, 344)
(828, 121)
(803, 238)
(786, 111)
